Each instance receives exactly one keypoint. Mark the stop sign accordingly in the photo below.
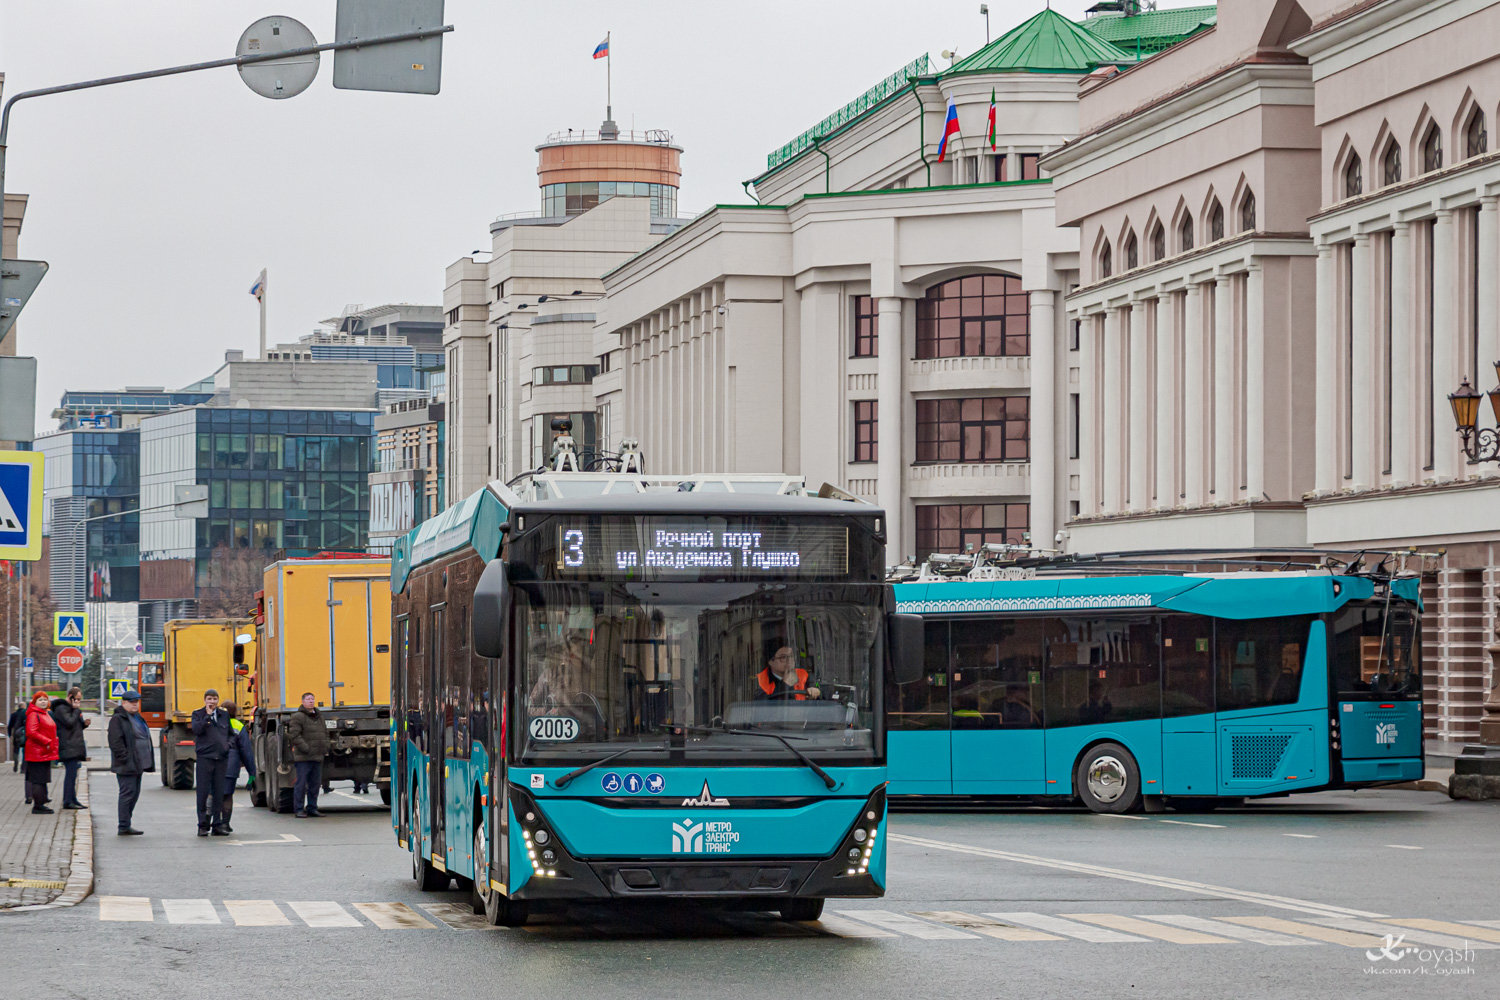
(70, 660)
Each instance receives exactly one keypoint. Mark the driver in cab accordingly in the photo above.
(783, 679)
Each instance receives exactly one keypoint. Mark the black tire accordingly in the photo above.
(258, 798)
(1107, 779)
(802, 908)
(428, 878)
(385, 794)
(163, 766)
(284, 799)
(182, 774)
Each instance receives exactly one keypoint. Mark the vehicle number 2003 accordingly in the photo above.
(554, 727)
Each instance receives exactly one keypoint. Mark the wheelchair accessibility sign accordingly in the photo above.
(70, 628)
(117, 689)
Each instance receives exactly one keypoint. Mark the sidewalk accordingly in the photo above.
(52, 856)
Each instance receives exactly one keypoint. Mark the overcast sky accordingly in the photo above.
(157, 203)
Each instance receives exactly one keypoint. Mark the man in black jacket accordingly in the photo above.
(211, 744)
(130, 755)
(71, 722)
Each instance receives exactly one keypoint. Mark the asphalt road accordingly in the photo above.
(1280, 899)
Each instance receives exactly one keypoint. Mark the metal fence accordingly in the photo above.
(920, 66)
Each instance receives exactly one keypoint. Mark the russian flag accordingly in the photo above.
(602, 49)
(950, 128)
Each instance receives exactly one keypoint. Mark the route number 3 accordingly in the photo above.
(572, 551)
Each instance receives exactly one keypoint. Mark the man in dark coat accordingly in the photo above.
(71, 722)
(308, 735)
(211, 743)
(130, 755)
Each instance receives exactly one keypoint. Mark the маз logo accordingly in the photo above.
(1385, 733)
(687, 837)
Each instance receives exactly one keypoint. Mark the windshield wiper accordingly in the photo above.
(565, 779)
(828, 779)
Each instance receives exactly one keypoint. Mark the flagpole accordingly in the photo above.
(264, 288)
(609, 83)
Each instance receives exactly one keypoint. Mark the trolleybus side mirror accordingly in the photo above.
(491, 606)
(908, 638)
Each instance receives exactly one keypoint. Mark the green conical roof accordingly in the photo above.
(1048, 43)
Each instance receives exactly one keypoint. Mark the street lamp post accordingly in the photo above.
(1481, 444)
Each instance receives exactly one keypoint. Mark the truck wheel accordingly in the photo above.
(165, 768)
(284, 799)
(802, 909)
(182, 774)
(258, 798)
(385, 794)
(1108, 780)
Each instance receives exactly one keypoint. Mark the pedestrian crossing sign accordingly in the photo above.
(117, 688)
(70, 628)
(21, 505)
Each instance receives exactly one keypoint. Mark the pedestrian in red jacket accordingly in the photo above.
(41, 750)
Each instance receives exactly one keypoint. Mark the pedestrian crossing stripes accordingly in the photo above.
(864, 922)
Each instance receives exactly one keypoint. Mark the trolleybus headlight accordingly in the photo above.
(542, 836)
(549, 858)
(859, 835)
(853, 854)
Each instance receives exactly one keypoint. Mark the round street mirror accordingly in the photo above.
(278, 78)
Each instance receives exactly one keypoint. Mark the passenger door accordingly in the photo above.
(918, 735)
(996, 694)
(440, 737)
(1188, 746)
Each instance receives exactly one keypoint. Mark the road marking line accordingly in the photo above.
(256, 913)
(1419, 936)
(987, 926)
(136, 908)
(189, 911)
(1119, 816)
(1483, 923)
(393, 916)
(1183, 822)
(839, 927)
(460, 918)
(1160, 881)
(1447, 927)
(285, 838)
(1404, 847)
(1068, 928)
(321, 913)
(904, 924)
(1136, 925)
(1327, 934)
(1302, 836)
(1252, 934)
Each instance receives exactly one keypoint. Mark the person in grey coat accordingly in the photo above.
(130, 755)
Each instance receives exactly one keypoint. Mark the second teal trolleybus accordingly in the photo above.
(619, 687)
(1191, 689)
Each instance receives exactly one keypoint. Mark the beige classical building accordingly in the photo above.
(1290, 259)
(880, 320)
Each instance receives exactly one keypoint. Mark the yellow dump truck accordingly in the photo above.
(324, 626)
(201, 653)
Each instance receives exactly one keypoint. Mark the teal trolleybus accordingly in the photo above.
(620, 687)
(1184, 689)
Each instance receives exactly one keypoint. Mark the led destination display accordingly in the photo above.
(667, 549)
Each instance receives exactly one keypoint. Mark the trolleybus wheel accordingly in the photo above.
(802, 909)
(428, 878)
(1108, 779)
(497, 910)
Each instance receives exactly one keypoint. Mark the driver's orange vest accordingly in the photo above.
(768, 684)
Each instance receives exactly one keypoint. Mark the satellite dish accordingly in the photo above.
(278, 78)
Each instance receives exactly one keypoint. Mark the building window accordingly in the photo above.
(1185, 232)
(1132, 253)
(982, 429)
(564, 375)
(866, 431)
(1247, 213)
(1216, 222)
(1106, 261)
(453, 316)
(956, 527)
(1073, 425)
(1000, 167)
(1432, 149)
(1158, 242)
(1391, 165)
(1073, 334)
(982, 315)
(1031, 169)
(577, 197)
(866, 333)
(1475, 140)
(1354, 182)
(604, 364)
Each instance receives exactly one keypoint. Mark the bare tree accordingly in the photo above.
(234, 575)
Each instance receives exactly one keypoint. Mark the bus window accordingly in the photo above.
(1373, 656)
(1187, 664)
(923, 704)
(1260, 660)
(1102, 670)
(997, 673)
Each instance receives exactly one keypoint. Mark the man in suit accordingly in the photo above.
(211, 738)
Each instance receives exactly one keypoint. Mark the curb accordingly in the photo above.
(81, 866)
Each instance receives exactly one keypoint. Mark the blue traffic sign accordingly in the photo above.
(610, 782)
(21, 505)
(28, 663)
(117, 688)
(70, 628)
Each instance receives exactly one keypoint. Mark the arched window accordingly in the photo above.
(1390, 165)
(1247, 213)
(1354, 180)
(1475, 141)
(1158, 242)
(979, 315)
(1432, 149)
(1216, 222)
(1132, 253)
(1185, 231)
(1106, 261)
